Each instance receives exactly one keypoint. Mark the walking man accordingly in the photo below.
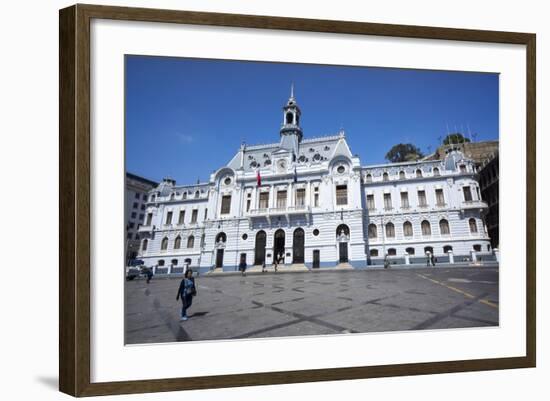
(186, 291)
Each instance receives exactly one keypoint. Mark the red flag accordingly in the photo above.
(258, 178)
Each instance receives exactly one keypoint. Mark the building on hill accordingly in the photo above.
(309, 201)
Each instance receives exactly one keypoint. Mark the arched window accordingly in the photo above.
(172, 196)
(174, 262)
(385, 177)
(342, 229)
(221, 237)
(153, 197)
(447, 248)
(436, 171)
(444, 227)
(462, 168)
(473, 225)
(184, 196)
(187, 261)
(429, 249)
(392, 252)
(191, 242)
(410, 251)
(197, 194)
(401, 175)
(407, 229)
(390, 230)
(289, 118)
(477, 248)
(369, 178)
(374, 252)
(164, 244)
(372, 231)
(426, 228)
(144, 244)
(177, 242)
(161, 262)
(418, 173)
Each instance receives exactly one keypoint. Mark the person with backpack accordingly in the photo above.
(187, 290)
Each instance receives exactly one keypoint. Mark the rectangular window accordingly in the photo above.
(300, 197)
(341, 194)
(137, 195)
(144, 197)
(467, 194)
(194, 215)
(135, 205)
(131, 224)
(387, 202)
(281, 199)
(422, 198)
(439, 198)
(316, 200)
(248, 205)
(181, 218)
(370, 202)
(141, 216)
(205, 213)
(149, 219)
(404, 200)
(142, 207)
(264, 200)
(134, 215)
(168, 218)
(226, 204)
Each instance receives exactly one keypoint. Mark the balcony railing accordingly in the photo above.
(278, 211)
(474, 204)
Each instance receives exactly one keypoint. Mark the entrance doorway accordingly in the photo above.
(316, 259)
(343, 252)
(279, 246)
(298, 246)
(259, 251)
(219, 258)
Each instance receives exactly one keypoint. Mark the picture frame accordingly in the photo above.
(75, 209)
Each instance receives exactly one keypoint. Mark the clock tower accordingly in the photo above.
(291, 132)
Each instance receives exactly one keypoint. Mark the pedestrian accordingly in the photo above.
(275, 263)
(386, 262)
(187, 290)
(149, 273)
(242, 267)
(433, 260)
(428, 259)
(264, 268)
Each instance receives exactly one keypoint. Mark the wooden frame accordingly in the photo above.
(74, 203)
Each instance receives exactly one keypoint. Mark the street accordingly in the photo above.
(313, 303)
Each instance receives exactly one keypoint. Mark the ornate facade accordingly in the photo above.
(309, 201)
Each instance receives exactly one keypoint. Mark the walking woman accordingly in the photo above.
(186, 291)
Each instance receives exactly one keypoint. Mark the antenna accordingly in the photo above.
(469, 132)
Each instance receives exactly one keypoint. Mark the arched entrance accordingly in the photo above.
(279, 245)
(342, 238)
(298, 246)
(259, 250)
(221, 238)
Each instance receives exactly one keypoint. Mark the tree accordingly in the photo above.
(403, 152)
(457, 137)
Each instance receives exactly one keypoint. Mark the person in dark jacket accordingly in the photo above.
(242, 267)
(187, 290)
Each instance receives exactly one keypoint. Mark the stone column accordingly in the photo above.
(451, 257)
(407, 258)
(289, 194)
(169, 269)
(474, 256)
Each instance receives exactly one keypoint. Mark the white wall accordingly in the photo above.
(28, 157)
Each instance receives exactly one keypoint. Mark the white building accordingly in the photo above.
(311, 201)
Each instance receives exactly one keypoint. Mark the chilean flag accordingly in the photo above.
(258, 178)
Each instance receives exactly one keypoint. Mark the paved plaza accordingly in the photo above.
(229, 306)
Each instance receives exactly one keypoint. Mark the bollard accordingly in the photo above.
(474, 256)
(407, 258)
(451, 257)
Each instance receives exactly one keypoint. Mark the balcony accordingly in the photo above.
(474, 204)
(268, 213)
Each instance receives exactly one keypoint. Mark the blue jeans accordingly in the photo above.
(186, 301)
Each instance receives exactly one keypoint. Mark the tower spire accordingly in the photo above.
(292, 90)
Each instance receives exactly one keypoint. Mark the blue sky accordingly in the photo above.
(187, 117)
